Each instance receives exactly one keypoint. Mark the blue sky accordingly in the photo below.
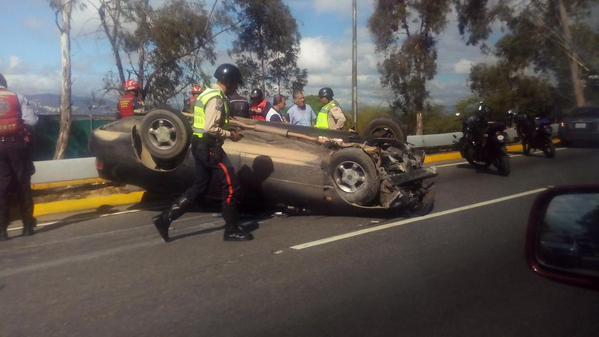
(30, 53)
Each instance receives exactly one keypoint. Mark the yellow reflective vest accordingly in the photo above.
(199, 111)
(322, 120)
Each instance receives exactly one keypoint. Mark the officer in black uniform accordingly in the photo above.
(16, 166)
(239, 105)
(211, 114)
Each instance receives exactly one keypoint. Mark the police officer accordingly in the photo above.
(16, 166)
(476, 125)
(131, 101)
(211, 115)
(239, 105)
(330, 116)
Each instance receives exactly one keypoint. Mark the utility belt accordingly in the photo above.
(208, 140)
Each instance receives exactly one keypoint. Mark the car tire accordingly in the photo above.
(165, 133)
(384, 127)
(354, 176)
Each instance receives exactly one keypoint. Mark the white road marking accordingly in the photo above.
(512, 155)
(55, 222)
(38, 225)
(119, 213)
(407, 221)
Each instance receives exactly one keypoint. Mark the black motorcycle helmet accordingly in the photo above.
(2, 81)
(483, 110)
(256, 96)
(326, 92)
(227, 74)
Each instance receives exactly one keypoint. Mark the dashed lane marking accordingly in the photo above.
(411, 220)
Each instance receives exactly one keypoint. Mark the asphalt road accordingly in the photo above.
(457, 274)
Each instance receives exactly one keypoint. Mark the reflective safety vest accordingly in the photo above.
(199, 112)
(322, 120)
(11, 122)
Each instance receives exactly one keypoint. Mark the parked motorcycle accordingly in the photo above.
(484, 142)
(535, 133)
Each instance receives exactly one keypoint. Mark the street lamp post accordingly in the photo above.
(355, 66)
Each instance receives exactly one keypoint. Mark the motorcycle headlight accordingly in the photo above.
(500, 137)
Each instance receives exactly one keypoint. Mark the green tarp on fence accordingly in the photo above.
(46, 134)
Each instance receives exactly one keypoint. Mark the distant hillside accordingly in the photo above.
(49, 104)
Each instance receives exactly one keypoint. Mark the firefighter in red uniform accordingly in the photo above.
(16, 166)
(259, 106)
(131, 101)
(211, 115)
(196, 90)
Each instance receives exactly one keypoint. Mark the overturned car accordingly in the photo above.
(278, 165)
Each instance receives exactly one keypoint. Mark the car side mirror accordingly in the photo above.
(562, 241)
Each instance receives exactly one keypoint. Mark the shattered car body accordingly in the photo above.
(277, 165)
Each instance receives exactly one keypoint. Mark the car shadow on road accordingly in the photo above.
(79, 217)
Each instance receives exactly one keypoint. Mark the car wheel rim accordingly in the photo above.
(350, 176)
(163, 134)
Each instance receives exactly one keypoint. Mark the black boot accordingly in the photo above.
(28, 227)
(164, 220)
(234, 233)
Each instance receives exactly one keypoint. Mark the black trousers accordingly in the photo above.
(211, 162)
(16, 168)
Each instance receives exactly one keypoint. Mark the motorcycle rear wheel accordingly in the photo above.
(549, 149)
(502, 163)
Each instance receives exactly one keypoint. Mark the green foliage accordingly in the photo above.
(168, 43)
(536, 42)
(405, 33)
(503, 89)
(267, 45)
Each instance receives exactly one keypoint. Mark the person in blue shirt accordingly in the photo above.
(301, 113)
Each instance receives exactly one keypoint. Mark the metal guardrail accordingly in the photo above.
(51, 171)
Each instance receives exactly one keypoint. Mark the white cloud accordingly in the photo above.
(463, 66)
(314, 54)
(13, 62)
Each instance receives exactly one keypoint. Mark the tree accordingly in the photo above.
(111, 13)
(62, 11)
(165, 48)
(553, 38)
(503, 89)
(405, 33)
(267, 45)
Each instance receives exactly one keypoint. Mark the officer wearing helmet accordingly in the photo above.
(131, 101)
(259, 106)
(211, 116)
(330, 115)
(16, 166)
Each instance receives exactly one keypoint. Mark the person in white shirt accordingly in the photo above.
(279, 102)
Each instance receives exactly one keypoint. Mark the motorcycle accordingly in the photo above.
(484, 143)
(535, 134)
